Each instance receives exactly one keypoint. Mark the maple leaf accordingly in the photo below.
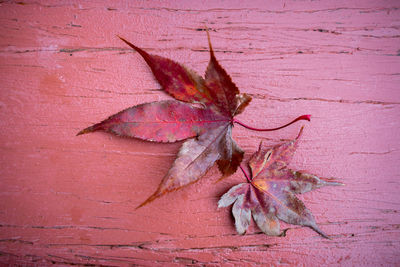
(170, 121)
(270, 193)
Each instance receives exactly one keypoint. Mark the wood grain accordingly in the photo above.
(70, 200)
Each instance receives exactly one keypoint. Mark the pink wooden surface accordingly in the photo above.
(70, 200)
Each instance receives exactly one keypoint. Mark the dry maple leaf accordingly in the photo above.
(170, 121)
(270, 193)
(209, 126)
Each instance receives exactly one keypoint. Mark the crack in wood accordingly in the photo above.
(341, 101)
(61, 227)
(16, 240)
(372, 153)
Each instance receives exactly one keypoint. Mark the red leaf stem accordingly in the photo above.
(245, 173)
(302, 117)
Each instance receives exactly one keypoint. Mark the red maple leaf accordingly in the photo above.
(208, 126)
(270, 193)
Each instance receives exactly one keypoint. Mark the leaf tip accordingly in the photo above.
(86, 130)
(325, 236)
(319, 231)
(141, 205)
(336, 184)
(221, 204)
(149, 200)
(123, 39)
(209, 43)
(131, 45)
(332, 182)
(299, 134)
(93, 128)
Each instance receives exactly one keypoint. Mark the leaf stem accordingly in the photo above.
(245, 173)
(302, 117)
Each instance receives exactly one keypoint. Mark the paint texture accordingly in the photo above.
(70, 200)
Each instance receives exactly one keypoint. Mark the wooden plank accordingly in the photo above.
(70, 200)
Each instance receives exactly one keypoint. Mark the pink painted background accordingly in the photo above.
(70, 200)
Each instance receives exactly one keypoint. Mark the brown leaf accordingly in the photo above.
(270, 196)
(243, 100)
(231, 154)
(195, 158)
